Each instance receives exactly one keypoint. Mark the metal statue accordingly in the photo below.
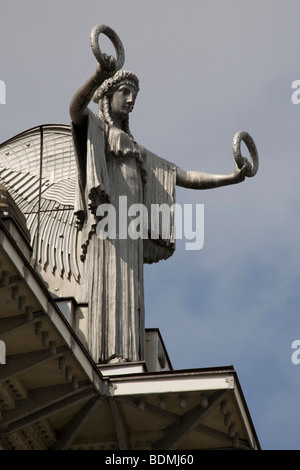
(113, 164)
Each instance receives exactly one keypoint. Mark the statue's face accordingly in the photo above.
(122, 101)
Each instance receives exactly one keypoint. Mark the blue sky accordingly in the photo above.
(207, 69)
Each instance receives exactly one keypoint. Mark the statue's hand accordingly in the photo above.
(109, 64)
(239, 174)
(105, 70)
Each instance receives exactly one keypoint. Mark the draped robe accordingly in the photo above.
(108, 167)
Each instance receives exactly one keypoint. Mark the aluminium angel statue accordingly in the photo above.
(104, 163)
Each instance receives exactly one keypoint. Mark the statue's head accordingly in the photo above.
(117, 95)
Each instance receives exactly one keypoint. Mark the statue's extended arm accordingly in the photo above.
(243, 167)
(202, 180)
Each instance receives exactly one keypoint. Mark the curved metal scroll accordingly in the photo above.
(112, 35)
(252, 166)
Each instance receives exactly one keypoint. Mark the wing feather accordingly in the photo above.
(41, 179)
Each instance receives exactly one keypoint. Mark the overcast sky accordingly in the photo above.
(207, 69)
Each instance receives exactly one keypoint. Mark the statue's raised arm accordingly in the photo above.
(83, 96)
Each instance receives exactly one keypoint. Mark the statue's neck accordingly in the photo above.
(117, 121)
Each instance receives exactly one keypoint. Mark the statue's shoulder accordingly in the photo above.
(154, 160)
(95, 119)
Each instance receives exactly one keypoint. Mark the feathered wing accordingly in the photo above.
(38, 168)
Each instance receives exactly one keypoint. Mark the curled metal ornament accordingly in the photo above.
(112, 35)
(252, 166)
